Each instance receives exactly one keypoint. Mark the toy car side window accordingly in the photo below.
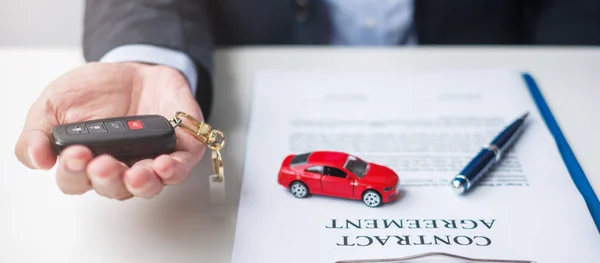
(315, 169)
(332, 171)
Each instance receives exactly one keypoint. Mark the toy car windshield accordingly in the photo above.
(357, 166)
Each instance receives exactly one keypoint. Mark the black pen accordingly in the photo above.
(488, 156)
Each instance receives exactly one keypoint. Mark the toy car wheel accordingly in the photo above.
(299, 189)
(371, 198)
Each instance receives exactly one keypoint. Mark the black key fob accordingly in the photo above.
(125, 138)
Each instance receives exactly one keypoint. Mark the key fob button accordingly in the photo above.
(135, 125)
(96, 127)
(115, 126)
(76, 129)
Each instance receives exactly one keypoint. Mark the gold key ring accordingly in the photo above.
(217, 164)
(216, 143)
(212, 138)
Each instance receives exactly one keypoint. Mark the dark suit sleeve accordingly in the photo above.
(566, 22)
(182, 25)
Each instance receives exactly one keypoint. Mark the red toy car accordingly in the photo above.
(338, 174)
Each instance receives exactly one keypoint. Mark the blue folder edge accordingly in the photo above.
(577, 174)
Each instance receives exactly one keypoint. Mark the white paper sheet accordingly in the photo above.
(426, 126)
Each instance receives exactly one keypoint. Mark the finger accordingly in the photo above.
(131, 161)
(106, 174)
(169, 170)
(33, 147)
(34, 150)
(176, 167)
(71, 175)
(141, 180)
(182, 164)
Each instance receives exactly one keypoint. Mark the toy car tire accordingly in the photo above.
(372, 198)
(298, 189)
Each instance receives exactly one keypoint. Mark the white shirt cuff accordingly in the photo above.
(155, 55)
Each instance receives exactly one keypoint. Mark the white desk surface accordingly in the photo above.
(39, 224)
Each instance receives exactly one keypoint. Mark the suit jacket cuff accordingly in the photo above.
(156, 55)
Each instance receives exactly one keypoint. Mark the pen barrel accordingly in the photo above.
(505, 139)
(479, 165)
(487, 156)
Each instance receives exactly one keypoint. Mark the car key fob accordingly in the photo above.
(125, 138)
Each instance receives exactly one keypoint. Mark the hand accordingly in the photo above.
(102, 90)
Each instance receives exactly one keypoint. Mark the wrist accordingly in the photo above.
(159, 57)
(161, 75)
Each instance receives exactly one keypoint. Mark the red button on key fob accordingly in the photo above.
(135, 125)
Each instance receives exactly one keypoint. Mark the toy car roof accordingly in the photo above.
(322, 157)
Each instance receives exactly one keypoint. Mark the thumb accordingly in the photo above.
(33, 147)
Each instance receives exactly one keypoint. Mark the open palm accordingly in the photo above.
(102, 90)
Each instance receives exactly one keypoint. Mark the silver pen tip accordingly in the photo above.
(524, 116)
(459, 186)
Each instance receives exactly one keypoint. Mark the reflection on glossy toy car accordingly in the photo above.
(338, 174)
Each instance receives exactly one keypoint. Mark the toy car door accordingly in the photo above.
(336, 182)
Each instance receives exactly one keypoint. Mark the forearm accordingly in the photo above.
(179, 26)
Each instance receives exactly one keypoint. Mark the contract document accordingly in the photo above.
(426, 126)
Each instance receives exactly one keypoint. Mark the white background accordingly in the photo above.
(41, 22)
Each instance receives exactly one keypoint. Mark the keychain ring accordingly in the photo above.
(217, 164)
(215, 143)
(213, 139)
(176, 122)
